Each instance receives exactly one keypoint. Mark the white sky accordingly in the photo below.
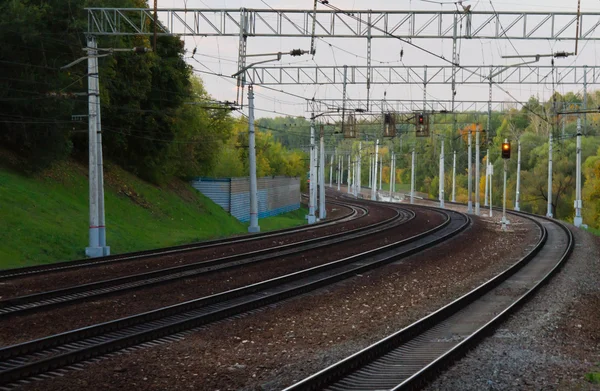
(220, 54)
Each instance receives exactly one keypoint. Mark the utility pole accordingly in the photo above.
(322, 211)
(253, 180)
(380, 171)
(339, 175)
(391, 176)
(394, 172)
(454, 178)
(518, 194)
(331, 172)
(374, 188)
(371, 171)
(349, 172)
(412, 178)
(470, 178)
(442, 175)
(578, 220)
(487, 177)
(311, 188)
(505, 157)
(491, 174)
(477, 170)
(358, 182)
(549, 208)
(94, 249)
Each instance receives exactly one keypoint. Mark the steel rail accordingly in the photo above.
(414, 355)
(43, 300)
(61, 350)
(180, 249)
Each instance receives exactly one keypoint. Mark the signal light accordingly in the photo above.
(421, 119)
(505, 149)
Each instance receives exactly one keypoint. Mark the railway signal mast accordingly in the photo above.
(506, 157)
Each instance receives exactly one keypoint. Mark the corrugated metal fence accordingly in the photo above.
(276, 195)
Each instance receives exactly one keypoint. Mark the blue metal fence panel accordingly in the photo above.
(215, 189)
(276, 195)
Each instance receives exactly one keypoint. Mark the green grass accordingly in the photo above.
(594, 231)
(593, 377)
(45, 218)
(286, 220)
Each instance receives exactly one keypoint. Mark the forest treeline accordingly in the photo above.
(158, 121)
(531, 123)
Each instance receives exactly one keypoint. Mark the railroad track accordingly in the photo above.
(354, 212)
(51, 353)
(414, 355)
(50, 299)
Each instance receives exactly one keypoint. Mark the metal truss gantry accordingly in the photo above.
(466, 74)
(332, 23)
(409, 106)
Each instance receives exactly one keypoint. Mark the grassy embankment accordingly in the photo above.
(44, 218)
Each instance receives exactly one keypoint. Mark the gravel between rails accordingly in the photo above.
(550, 343)
(36, 325)
(33, 284)
(270, 349)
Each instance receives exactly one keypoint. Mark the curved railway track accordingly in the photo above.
(44, 300)
(58, 351)
(353, 213)
(414, 355)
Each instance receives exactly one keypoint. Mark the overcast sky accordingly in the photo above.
(219, 55)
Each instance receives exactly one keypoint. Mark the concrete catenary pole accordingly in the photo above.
(339, 172)
(342, 170)
(442, 175)
(371, 171)
(374, 188)
(380, 171)
(391, 176)
(93, 249)
(578, 220)
(470, 178)
(518, 191)
(549, 207)
(331, 172)
(487, 177)
(491, 173)
(394, 173)
(412, 178)
(358, 182)
(312, 177)
(322, 211)
(100, 171)
(252, 157)
(349, 173)
(477, 171)
(454, 178)
(504, 221)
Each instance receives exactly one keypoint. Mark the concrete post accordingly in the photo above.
(349, 173)
(380, 171)
(442, 176)
(374, 188)
(252, 157)
(391, 176)
(549, 207)
(339, 175)
(491, 168)
(322, 211)
(477, 173)
(518, 192)
(311, 188)
(358, 182)
(94, 249)
(342, 170)
(578, 220)
(504, 221)
(100, 171)
(412, 178)
(470, 178)
(454, 178)
(487, 177)
(331, 172)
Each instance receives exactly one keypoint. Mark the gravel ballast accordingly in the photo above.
(270, 349)
(551, 343)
